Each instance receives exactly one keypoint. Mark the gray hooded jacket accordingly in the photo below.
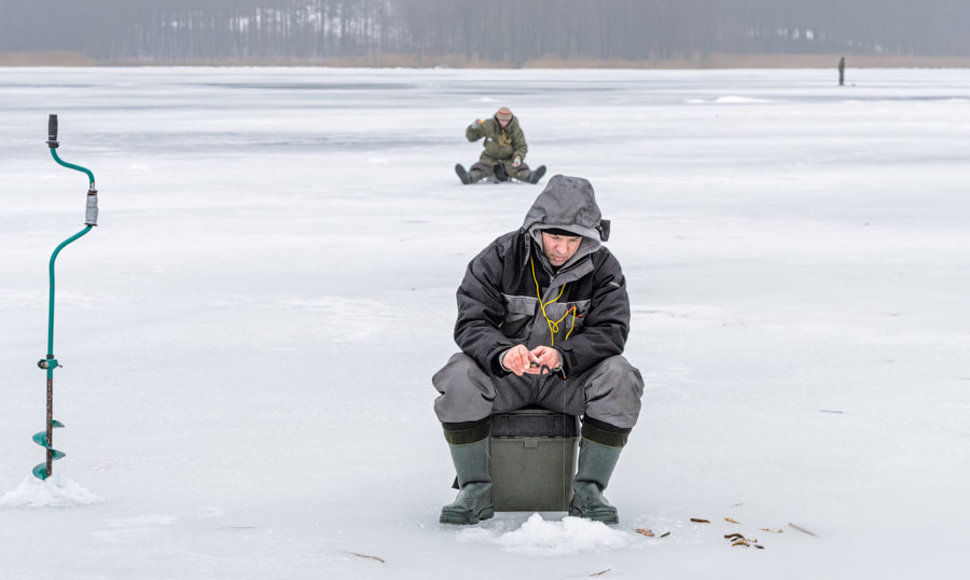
(584, 310)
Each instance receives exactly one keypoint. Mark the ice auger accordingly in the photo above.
(49, 363)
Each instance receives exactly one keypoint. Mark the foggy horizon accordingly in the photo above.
(502, 32)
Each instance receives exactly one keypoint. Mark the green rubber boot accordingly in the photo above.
(474, 501)
(596, 463)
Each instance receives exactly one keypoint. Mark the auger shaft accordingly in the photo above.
(49, 465)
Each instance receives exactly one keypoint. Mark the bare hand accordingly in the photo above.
(547, 359)
(519, 360)
(516, 162)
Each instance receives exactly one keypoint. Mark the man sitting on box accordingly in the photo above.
(543, 316)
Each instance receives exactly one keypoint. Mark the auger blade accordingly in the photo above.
(41, 438)
(40, 471)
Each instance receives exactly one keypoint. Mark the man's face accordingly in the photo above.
(503, 121)
(559, 249)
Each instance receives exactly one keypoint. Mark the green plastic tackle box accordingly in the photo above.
(533, 460)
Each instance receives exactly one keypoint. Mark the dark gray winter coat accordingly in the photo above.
(498, 306)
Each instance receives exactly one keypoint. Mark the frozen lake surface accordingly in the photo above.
(248, 336)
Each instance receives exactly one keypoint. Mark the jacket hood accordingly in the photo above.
(568, 203)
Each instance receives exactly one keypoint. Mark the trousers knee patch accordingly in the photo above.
(466, 433)
(604, 433)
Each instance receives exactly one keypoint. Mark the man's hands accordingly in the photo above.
(522, 361)
(516, 161)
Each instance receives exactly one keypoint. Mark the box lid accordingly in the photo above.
(534, 422)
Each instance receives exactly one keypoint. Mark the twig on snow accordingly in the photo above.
(803, 530)
(381, 560)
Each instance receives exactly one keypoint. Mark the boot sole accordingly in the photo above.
(539, 173)
(465, 518)
(610, 518)
(462, 174)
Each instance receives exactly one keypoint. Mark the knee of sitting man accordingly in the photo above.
(461, 402)
(618, 377)
(619, 368)
(462, 380)
(459, 367)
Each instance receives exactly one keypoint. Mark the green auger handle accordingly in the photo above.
(46, 438)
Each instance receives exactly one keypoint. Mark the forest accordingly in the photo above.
(500, 32)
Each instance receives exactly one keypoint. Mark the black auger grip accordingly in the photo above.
(52, 132)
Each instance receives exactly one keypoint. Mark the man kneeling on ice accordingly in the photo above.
(543, 316)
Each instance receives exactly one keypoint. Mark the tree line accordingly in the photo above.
(475, 31)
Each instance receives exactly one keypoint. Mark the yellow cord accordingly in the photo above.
(553, 325)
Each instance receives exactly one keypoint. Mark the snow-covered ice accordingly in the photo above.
(540, 537)
(55, 491)
(248, 336)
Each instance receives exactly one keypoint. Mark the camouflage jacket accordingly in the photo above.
(500, 144)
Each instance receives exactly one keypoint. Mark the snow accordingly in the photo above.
(55, 491)
(249, 334)
(538, 537)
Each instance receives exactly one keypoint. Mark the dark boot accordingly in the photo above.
(537, 174)
(532, 176)
(472, 176)
(596, 463)
(462, 174)
(474, 501)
